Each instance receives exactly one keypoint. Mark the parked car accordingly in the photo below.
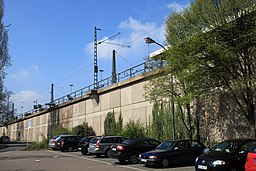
(131, 148)
(5, 139)
(54, 143)
(250, 164)
(226, 155)
(101, 145)
(173, 152)
(84, 144)
(70, 143)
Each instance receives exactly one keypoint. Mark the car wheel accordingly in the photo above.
(69, 148)
(133, 159)
(232, 169)
(121, 161)
(165, 162)
(106, 153)
(84, 151)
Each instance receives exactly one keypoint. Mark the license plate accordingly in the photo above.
(114, 149)
(144, 160)
(202, 167)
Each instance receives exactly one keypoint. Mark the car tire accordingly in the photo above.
(84, 151)
(69, 148)
(133, 159)
(121, 161)
(165, 163)
(232, 169)
(106, 152)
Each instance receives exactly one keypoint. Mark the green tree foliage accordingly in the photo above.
(61, 130)
(134, 129)
(5, 114)
(111, 127)
(83, 130)
(213, 49)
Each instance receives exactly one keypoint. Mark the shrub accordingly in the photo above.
(60, 130)
(83, 130)
(38, 145)
(134, 130)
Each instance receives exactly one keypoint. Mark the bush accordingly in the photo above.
(60, 130)
(111, 127)
(83, 130)
(38, 145)
(134, 130)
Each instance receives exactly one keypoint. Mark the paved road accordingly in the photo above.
(47, 160)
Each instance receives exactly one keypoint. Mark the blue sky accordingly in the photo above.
(51, 41)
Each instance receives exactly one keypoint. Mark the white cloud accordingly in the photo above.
(25, 99)
(176, 7)
(34, 67)
(132, 34)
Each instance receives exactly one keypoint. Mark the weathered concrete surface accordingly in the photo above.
(127, 98)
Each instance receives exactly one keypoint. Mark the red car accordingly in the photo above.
(250, 164)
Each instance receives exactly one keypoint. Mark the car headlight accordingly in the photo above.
(140, 156)
(219, 162)
(196, 159)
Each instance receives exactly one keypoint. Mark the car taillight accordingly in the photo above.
(55, 142)
(120, 148)
(98, 144)
(62, 143)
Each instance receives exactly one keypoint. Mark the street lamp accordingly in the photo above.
(71, 85)
(149, 40)
(101, 71)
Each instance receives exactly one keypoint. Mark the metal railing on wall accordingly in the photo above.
(122, 76)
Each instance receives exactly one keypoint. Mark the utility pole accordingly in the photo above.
(52, 97)
(95, 59)
(114, 67)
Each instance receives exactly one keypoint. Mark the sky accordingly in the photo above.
(51, 42)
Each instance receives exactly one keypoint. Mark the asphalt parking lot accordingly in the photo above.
(47, 160)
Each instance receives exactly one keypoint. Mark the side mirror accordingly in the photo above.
(206, 150)
(176, 148)
(242, 152)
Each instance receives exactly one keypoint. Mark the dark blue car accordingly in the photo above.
(173, 152)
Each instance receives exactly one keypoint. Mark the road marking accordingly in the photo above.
(95, 160)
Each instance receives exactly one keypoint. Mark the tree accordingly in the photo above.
(83, 130)
(213, 50)
(4, 63)
(134, 129)
(111, 127)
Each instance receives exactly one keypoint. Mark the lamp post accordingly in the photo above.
(149, 40)
(71, 90)
(101, 71)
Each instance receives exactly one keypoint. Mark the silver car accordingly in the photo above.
(101, 145)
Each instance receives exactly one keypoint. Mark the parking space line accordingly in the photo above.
(95, 160)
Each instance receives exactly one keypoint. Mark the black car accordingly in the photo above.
(84, 144)
(229, 155)
(131, 148)
(101, 145)
(173, 152)
(70, 143)
(4, 139)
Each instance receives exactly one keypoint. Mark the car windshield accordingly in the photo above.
(127, 142)
(94, 140)
(227, 146)
(166, 145)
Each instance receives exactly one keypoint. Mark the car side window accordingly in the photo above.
(183, 145)
(249, 146)
(194, 144)
(153, 143)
